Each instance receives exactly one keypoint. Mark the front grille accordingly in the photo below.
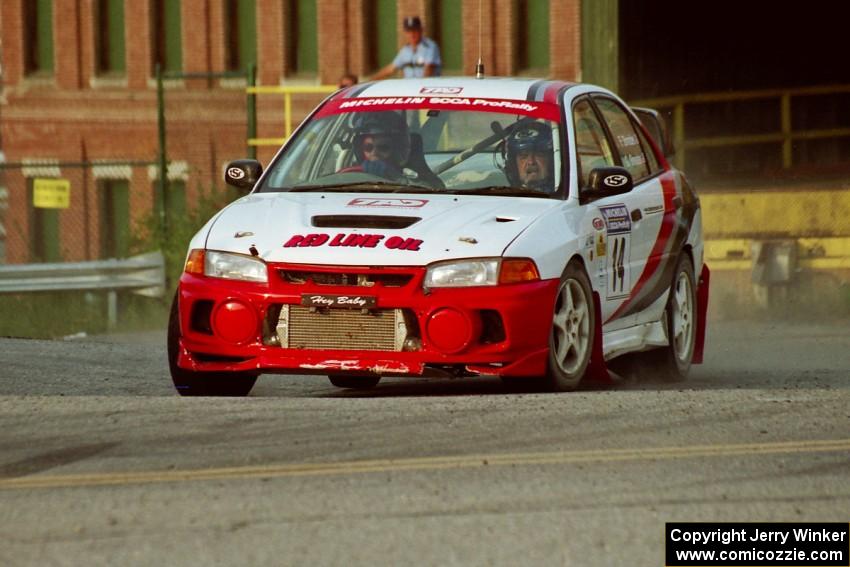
(349, 329)
(300, 277)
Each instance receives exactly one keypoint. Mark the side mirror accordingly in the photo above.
(243, 174)
(655, 124)
(607, 181)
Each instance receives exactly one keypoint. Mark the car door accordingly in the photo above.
(633, 220)
(607, 218)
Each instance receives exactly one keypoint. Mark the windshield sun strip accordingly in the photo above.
(534, 109)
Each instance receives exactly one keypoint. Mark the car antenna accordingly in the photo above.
(479, 67)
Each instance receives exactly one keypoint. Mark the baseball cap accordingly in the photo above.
(412, 23)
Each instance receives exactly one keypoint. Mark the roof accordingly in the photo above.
(492, 87)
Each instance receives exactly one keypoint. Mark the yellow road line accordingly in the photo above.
(424, 463)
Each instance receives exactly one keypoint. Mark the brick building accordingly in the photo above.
(78, 87)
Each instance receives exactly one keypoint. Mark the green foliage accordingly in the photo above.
(59, 314)
(50, 315)
(149, 234)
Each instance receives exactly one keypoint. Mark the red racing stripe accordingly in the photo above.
(668, 186)
(550, 95)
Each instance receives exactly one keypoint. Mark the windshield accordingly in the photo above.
(425, 146)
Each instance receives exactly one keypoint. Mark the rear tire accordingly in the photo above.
(189, 383)
(672, 362)
(573, 328)
(354, 382)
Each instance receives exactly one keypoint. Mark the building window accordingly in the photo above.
(109, 37)
(44, 230)
(448, 33)
(165, 22)
(114, 209)
(302, 37)
(176, 210)
(381, 32)
(533, 36)
(240, 21)
(38, 36)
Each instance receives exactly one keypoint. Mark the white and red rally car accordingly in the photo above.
(527, 229)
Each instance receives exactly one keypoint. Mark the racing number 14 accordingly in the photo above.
(618, 274)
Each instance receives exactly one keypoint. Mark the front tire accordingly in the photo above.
(573, 328)
(189, 383)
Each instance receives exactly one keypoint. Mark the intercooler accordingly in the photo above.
(343, 329)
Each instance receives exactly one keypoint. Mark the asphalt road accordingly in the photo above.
(102, 464)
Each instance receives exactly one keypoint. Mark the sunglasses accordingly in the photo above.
(383, 148)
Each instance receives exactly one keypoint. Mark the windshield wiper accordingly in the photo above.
(506, 191)
(370, 186)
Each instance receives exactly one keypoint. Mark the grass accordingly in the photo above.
(59, 314)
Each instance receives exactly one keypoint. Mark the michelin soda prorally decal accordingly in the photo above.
(618, 269)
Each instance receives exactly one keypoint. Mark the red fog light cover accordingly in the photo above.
(235, 322)
(449, 330)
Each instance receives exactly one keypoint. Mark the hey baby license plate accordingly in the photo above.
(346, 301)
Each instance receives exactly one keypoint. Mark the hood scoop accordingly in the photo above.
(363, 221)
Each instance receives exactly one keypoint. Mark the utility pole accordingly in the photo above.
(3, 191)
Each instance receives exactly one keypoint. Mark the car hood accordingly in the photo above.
(372, 229)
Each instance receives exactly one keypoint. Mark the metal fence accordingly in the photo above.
(143, 274)
(759, 130)
(67, 233)
(71, 211)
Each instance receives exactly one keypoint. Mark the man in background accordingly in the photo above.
(419, 57)
(347, 80)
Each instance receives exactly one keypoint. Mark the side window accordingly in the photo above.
(625, 137)
(592, 148)
(654, 165)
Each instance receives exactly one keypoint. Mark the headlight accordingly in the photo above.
(463, 273)
(235, 267)
(481, 271)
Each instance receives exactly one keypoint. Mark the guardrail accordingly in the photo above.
(287, 93)
(786, 135)
(143, 274)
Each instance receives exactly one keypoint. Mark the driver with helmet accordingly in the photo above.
(529, 162)
(381, 144)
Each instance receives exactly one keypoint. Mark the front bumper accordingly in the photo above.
(230, 325)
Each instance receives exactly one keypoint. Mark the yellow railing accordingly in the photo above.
(287, 93)
(818, 220)
(786, 135)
